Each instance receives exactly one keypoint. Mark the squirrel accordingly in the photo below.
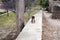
(33, 19)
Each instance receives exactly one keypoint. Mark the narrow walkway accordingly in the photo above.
(32, 31)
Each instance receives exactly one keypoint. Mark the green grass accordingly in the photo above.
(26, 16)
(37, 7)
(8, 21)
(32, 13)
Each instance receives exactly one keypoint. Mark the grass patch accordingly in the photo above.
(38, 7)
(26, 16)
(8, 21)
(32, 13)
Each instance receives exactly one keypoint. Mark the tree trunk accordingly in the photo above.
(19, 15)
(7, 12)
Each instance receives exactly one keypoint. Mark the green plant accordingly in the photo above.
(45, 3)
(2, 13)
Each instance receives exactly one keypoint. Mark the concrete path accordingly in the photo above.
(32, 31)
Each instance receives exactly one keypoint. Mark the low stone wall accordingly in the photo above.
(56, 15)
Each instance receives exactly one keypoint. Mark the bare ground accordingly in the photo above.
(50, 32)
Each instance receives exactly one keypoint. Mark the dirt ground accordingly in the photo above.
(50, 32)
(44, 27)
